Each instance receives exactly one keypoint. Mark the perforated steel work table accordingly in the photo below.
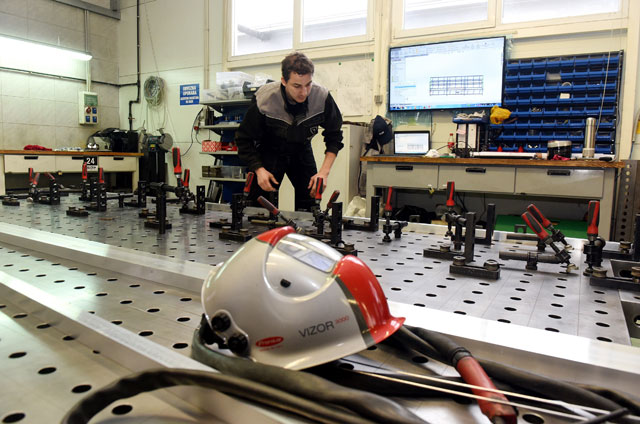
(46, 370)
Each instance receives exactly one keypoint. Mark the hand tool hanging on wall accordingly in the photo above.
(537, 228)
(388, 227)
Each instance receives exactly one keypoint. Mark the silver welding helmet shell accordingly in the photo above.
(289, 300)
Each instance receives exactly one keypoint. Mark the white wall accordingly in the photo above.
(44, 110)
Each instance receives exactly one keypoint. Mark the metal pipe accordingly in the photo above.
(137, 100)
(589, 138)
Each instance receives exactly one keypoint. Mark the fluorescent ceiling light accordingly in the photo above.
(19, 47)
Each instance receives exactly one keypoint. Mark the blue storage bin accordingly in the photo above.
(512, 78)
(539, 63)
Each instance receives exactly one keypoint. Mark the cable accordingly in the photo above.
(153, 90)
(150, 380)
(308, 386)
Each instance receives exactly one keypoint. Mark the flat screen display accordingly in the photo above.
(451, 75)
(411, 142)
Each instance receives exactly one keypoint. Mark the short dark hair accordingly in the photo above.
(296, 62)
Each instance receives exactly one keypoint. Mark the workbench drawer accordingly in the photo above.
(20, 164)
(486, 179)
(400, 175)
(69, 163)
(560, 182)
(117, 164)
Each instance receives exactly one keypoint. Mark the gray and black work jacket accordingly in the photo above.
(273, 126)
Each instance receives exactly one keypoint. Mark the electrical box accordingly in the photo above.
(88, 108)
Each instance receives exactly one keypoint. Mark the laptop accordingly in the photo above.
(417, 142)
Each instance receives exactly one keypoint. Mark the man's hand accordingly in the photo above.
(265, 179)
(313, 180)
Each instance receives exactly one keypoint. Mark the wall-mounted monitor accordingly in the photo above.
(451, 75)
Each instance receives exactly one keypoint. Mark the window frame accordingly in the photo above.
(398, 22)
(325, 48)
(494, 25)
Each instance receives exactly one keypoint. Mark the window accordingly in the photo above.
(259, 26)
(431, 13)
(534, 10)
(328, 19)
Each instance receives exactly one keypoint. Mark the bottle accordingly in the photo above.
(451, 144)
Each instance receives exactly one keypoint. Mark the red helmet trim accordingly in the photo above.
(273, 236)
(364, 289)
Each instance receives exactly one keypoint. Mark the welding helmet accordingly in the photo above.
(289, 300)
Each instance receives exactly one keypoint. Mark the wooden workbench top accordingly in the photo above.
(66, 153)
(497, 162)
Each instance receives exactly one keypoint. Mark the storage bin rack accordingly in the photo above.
(232, 113)
(552, 97)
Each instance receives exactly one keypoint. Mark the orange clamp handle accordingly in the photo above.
(333, 198)
(535, 212)
(472, 373)
(451, 186)
(177, 161)
(268, 206)
(247, 184)
(319, 188)
(185, 179)
(535, 226)
(387, 205)
(593, 218)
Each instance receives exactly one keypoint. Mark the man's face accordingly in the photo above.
(298, 87)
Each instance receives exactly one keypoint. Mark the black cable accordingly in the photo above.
(617, 397)
(308, 386)
(521, 379)
(606, 417)
(155, 379)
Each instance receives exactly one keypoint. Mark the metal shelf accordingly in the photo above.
(222, 127)
(220, 104)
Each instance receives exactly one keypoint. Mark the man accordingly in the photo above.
(274, 138)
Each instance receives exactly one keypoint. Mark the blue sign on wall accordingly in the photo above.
(189, 94)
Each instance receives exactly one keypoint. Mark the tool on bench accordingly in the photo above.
(556, 235)
(537, 228)
(627, 251)
(85, 188)
(186, 196)
(276, 212)
(316, 209)
(450, 203)
(98, 193)
(36, 196)
(595, 244)
(388, 227)
(238, 202)
(374, 220)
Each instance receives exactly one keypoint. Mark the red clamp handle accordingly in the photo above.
(535, 212)
(333, 198)
(35, 178)
(247, 184)
(472, 373)
(31, 175)
(535, 226)
(100, 176)
(186, 178)
(451, 186)
(51, 177)
(319, 188)
(387, 205)
(177, 161)
(268, 206)
(593, 218)
(85, 174)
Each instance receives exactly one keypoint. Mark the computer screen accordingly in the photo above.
(451, 75)
(411, 142)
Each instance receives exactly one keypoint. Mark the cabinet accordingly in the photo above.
(551, 97)
(19, 162)
(343, 175)
(222, 187)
